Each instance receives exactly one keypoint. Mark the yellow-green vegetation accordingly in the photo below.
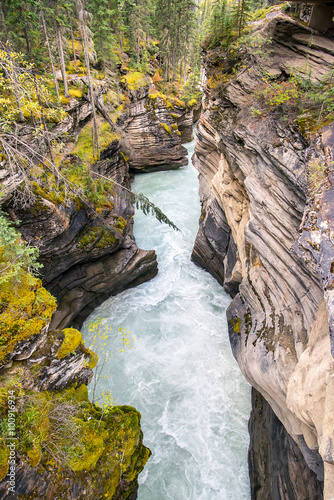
(78, 175)
(177, 103)
(25, 308)
(4, 454)
(19, 85)
(64, 431)
(317, 178)
(155, 94)
(96, 191)
(120, 223)
(192, 103)
(262, 13)
(174, 126)
(101, 330)
(135, 80)
(299, 99)
(47, 192)
(72, 340)
(97, 237)
(166, 128)
(174, 115)
(77, 93)
(93, 359)
(64, 100)
(84, 145)
(236, 324)
(125, 158)
(77, 47)
(114, 115)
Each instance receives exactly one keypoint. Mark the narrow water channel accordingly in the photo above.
(180, 373)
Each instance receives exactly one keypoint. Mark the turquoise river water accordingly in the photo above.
(180, 373)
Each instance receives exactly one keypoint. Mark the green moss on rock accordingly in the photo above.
(166, 128)
(97, 237)
(135, 80)
(236, 324)
(72, 340)
(26, 307)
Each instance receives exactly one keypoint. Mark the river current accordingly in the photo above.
(180, 372)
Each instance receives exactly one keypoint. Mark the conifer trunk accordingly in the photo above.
(50, 54)
(73, 48)
(3, 29)
(62, 59)
(26, 36)
(13, 77)
(82, 26)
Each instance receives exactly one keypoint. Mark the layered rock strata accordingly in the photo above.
(271, 246)
(152, 140)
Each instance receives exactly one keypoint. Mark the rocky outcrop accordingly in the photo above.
(63, 445)
(185, 119)
(49, 466)
(271, 246)
(151, 139)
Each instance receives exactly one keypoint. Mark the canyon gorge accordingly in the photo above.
(266, 234)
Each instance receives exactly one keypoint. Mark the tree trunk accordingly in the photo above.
(46, 132)
(12, 76)
(62, 60)
(3, 29)
(138, 50)
(50, 54)
(82, 25)
(72, 38)
(25, 31)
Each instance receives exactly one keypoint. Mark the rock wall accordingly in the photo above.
(272, 249)
(277, 466)
(151, 138)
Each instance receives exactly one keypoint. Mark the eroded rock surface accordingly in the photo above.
(152, 140)
(256, 238)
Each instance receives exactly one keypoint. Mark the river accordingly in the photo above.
(180, 372)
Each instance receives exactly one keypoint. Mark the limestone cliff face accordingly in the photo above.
(272, 248)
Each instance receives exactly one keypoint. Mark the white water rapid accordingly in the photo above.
(180, 373)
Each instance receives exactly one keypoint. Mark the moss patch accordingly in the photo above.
(192, 103)
(71, 341)
(236, 324)
(25, 308)
(98, 237)
(84, 145)
(166, 128)
(135, 80)
(64, 433)
(4, 454)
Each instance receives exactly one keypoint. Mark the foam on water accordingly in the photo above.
(181, 375)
